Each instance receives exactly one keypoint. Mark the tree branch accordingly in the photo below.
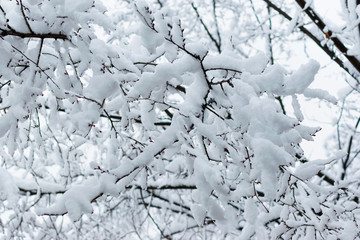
(325, 48)
(5, 33)
(322, 26)
(24, 16)
(217, 44)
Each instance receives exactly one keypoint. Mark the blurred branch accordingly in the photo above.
(325, 48)
(358, 3)
(217, 43)
(216, 24)
(324, 28)
(271, 52)
(346, 163)
(151, 217)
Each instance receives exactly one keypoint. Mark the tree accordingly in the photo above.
(136, 121)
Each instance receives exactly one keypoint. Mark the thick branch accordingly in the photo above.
(322, 26)
(33, 35)
(325, 48)
(33, 191)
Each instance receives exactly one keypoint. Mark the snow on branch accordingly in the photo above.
(128, 116)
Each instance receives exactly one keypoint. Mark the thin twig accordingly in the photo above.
(24, 16)
(216, 24)
(217, 44)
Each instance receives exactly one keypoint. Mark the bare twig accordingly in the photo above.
(24, 16)
(217, 43)
(216, 24)
(152, 219)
